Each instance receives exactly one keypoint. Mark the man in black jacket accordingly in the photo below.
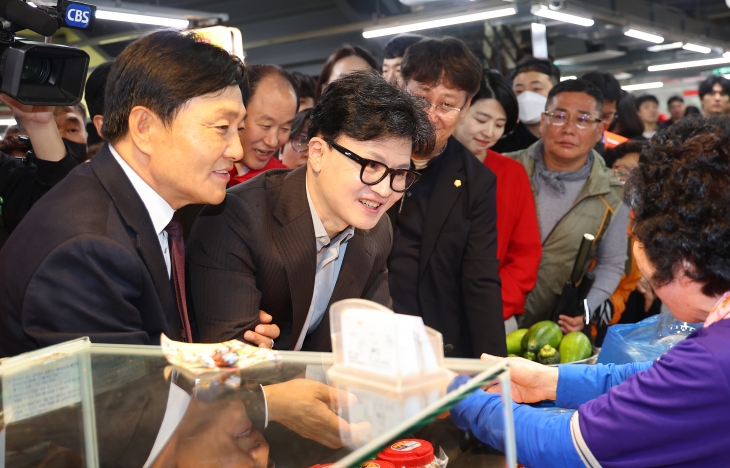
(294, 242)
(443, 265)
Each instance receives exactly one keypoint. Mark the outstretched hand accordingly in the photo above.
(530, 382)
(29, 115)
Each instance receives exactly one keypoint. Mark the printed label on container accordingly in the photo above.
(405, 445)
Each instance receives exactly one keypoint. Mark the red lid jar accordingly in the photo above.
(366, 464)
(408, 453)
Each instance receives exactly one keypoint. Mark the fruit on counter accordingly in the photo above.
(575, 347)
(514, 341)
(512, 355)
(540, 334)
(529, 355)
(548, 355)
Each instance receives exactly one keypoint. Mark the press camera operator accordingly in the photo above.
(23, 181)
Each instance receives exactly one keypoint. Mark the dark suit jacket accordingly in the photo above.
(458, 282)
(257, 250)
(85, 261)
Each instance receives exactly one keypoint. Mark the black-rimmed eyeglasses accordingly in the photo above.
(373, 172)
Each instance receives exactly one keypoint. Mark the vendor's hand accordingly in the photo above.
(265, 332)
(645, 288)
(530, 382)
(308, 408)
(571, 324)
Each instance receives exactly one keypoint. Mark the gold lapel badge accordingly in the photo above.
(457, 183)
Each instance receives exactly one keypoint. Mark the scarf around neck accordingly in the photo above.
(556, 179)
(721, 311)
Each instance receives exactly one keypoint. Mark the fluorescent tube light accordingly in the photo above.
(644, 36)
(142, 19)
(7, 122)
(661, 47)
(546, 12)
(697, 48)
(726, 55)
(566, 78)
(695, 63)
(437, 23)
(637, 87)
(623, 76)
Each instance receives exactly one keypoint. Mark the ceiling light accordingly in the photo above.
(545, 12)
(726, 55)
(7, 122)
(637, 87)
(697, 48)
(644, 36)
(168, 22)
(622, 76)
(661, 47)
(566, 78)
(437, 23)
(696, 63)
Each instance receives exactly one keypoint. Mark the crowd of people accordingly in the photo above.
(211, 200)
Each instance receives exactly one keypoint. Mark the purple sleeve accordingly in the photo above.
(675, 413)
(578, 384)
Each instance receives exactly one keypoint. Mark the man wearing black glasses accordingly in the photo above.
(575, 194)
(443, 266)
(293, 242)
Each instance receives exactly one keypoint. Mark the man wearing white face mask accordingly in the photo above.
(532, 81)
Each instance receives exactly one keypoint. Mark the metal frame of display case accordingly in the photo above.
(83, 349)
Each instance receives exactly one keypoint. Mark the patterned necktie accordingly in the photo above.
(177, 263)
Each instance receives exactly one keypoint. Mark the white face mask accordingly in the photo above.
(531, 105)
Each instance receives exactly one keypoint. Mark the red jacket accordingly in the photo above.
(518, 235)
(272, 164)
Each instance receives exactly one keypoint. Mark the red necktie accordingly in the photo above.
(177, 263)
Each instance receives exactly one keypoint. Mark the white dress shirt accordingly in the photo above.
(159, 210)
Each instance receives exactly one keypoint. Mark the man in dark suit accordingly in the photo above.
(292, 243)
(443, 265)
(93, 258)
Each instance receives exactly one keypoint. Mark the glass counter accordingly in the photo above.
(80, 404)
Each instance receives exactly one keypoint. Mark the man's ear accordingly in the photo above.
(98, 121)
(316, 154)
(144, 126)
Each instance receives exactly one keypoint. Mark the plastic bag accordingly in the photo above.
(643, 341)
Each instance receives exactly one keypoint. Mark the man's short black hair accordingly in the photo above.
(397, 46)
(163, 71)
(680, 203)
(339, 54)
(609, 86)
(646, 98)
(496, 86)
(675, 98)
(532, 64)
(707, 85)
(444, 60)
(365, 107)
(577, 86)
(95, 86)
(306, 86)
(256, 73)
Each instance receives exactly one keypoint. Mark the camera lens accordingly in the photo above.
(36, 70)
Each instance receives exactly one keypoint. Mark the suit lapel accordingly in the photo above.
(296, 244)
(135, 215)
(444, 195)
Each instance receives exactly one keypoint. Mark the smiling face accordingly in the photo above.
(482, 126)
(567, 146)
(271, 110)
(339, 195)
(444, 123)
(188, 161)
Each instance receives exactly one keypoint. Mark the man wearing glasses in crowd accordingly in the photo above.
(443, 266)
(293, 242)
(575, 194)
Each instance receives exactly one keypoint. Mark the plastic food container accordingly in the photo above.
(367, 464)
(410, 453)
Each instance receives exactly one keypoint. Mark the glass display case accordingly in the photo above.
(80, 404)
